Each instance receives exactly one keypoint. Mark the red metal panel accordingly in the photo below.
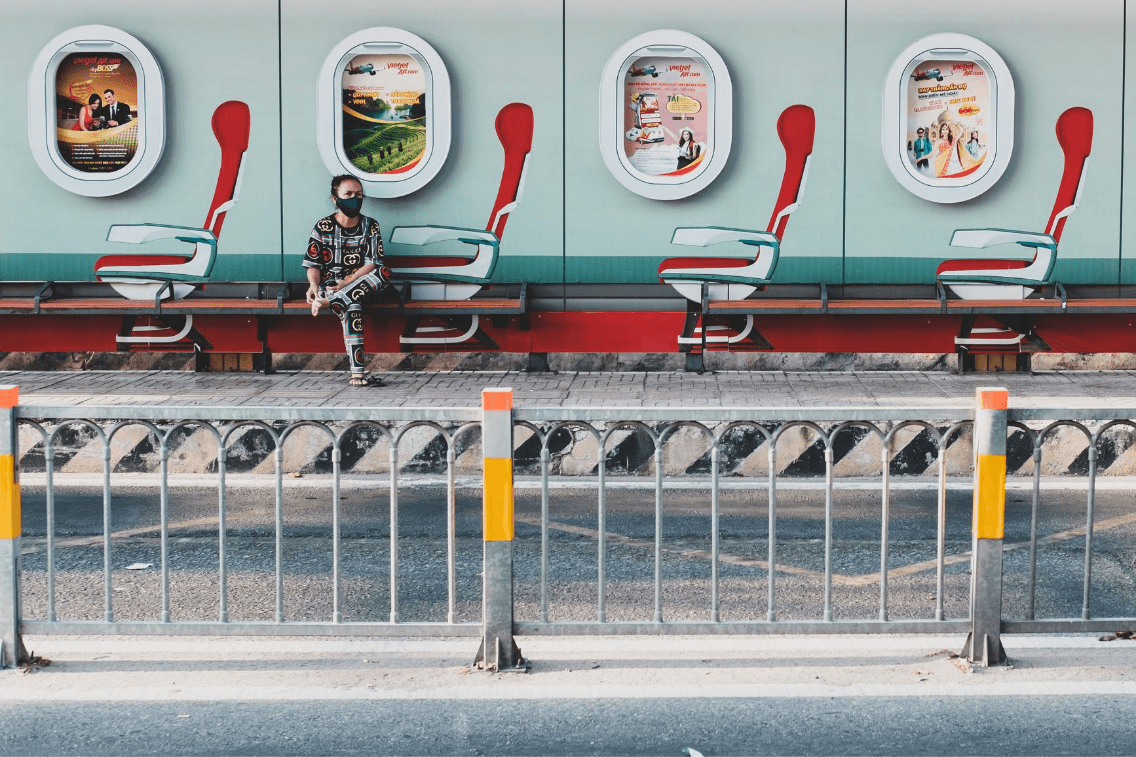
(59, 333)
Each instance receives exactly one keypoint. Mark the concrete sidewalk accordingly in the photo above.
(672, 389)
(268, 668)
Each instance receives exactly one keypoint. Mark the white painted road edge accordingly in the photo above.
(590, 692)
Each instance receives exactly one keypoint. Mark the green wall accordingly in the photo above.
(576, 223)
(1060, 54)
(496, 53)
(210, 51)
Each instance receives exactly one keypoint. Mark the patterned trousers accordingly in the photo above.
(347, 304)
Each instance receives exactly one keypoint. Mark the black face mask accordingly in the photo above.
(350, 206)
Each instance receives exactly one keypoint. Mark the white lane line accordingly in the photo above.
(515, 691)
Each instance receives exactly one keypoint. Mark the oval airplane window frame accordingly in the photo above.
(42, 121)
(384, 40)
(664, 43)
(937, 47)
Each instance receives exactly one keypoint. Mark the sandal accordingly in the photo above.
(364, 380)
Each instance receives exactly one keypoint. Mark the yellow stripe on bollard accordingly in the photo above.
(990, 497)
(498, 507)
(9, 499)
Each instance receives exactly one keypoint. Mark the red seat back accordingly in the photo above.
(796, 127)
(515, 130)
(231, 127)
(1075, 135)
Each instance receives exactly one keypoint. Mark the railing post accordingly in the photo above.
(984, 645)
(498, 649)
(12, 651)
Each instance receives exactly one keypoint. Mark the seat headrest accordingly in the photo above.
(515, 128)
(796, 127)
(231, 126)
(1075, 132)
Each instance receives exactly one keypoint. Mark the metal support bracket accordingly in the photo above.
(39, 295)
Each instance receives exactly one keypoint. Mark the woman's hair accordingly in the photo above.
(686, 135)
(94, 99)
(950, 136)
(336, 181)
(974, 136)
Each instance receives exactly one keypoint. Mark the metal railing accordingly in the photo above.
(989, 425)
(1039, 424)
(222, 425)
(714, 424)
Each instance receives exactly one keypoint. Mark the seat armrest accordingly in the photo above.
(981, 238)
(424, 235)
(710, 235)
(140, 233)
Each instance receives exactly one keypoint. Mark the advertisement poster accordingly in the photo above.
(667, 117)
(949, 118)
(96, 97)
(384, 113)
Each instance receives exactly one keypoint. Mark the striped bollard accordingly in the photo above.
(498, 649)
(984, 645)
(12, 651)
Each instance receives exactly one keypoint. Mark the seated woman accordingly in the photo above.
(86, 120)
(344, 263)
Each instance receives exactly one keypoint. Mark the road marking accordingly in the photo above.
(748, 562)
(865, 579)
(520, 691)
(88, 541)
(920, 567)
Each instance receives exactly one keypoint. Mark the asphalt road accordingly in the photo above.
(1064, 725)
(890, 720)
(573, 547)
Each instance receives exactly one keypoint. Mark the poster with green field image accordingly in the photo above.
(384, 113)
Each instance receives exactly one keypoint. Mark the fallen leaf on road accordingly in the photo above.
(295, 474)
(33, 662)
(1117, 635)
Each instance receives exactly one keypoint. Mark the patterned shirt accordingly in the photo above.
(338, 252)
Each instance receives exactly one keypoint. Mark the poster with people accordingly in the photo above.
(666, 122)
(949, 118)
(384, 113)
(96, 97)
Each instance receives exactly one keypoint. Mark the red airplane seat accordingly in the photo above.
(231, 125)
(113, 261)
(797, 129)
(514, 126)
(981, 264)
(423, 261)
(1075, 135)
(796, 126)
(671, 264)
